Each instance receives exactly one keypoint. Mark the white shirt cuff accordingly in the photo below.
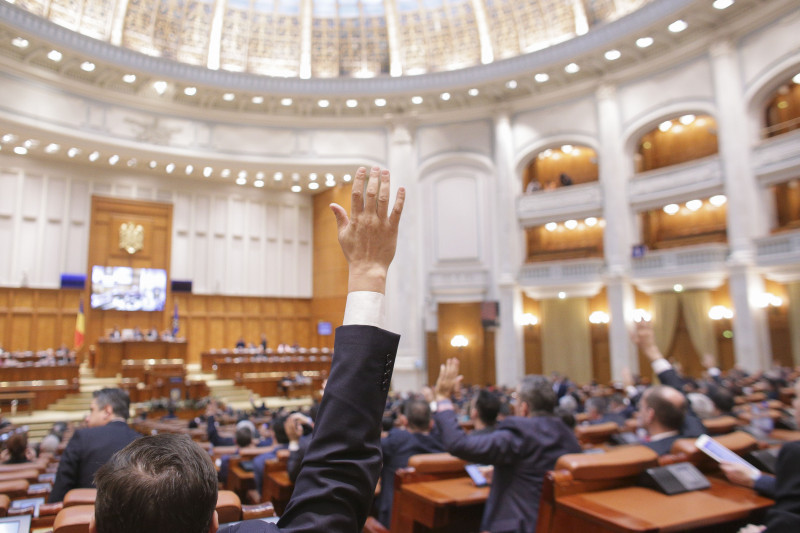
(660, 365)
(364, 308)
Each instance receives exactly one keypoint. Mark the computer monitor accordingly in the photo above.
(16, 524)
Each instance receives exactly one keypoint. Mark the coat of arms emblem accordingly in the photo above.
(131, 237)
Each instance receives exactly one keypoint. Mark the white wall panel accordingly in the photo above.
(304, 224)
(76, 251)
(219, 216)
(255, 220)
(8, 195)
(144, 193)
(235, 267)
(304, 262)
(370, 144)
(200, 265)
(256, 269)
(6, 236)
(56, 195)
(39, 101)
(32, 192)
(50, 261)
(273, 221)
(573, 119)
(79, 202)
(102, 189)
(253, 140)
(218, 259)
(163, 195)
(182, 213)
(473, 137)
(456, 225)
(757, 50)
(122, 190)
(271, 267)
(26, 263)
(180, 268)
(237, 217)
(202, 214)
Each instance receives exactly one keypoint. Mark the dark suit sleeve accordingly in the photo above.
(68, 469)
(341, 467)
(785, 514)
(765, 485)
(213, 435)
(296, 458)
(497, 448)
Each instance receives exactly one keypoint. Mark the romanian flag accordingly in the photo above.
(80, 327)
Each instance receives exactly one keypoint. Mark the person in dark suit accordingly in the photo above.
(522, 449)
(399, 445)
(341, 467)
(661, 412)
(484, 411)
(92, 447)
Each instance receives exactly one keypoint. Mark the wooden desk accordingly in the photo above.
(110, 354)
(640, 509)
(452, 505)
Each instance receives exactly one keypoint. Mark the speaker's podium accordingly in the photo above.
(594, 493)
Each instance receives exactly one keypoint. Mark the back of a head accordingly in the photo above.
(668, 405)
(161, 483)
(723, 399)
(49, 444)
(596, 404)
(16, 446)
(487, 405)
(117, 398)
(418, 413)
(537, 392)
(244, 436)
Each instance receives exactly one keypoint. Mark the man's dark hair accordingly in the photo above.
(597, 403)
(117, 398)
(667, 413)
(161, 483)
(723, 399)
(487, 405)
(243, 436)
(278, 430)
(537, 392)
(418, 413)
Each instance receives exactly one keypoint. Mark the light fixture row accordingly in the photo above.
(313, 180)
(717, 200)
(572, 224)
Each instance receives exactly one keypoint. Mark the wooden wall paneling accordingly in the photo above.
(580, 165)
(46, 334)
(22, 329)
(463, 319)
(432, 356)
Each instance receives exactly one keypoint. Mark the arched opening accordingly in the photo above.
(782, 113)
(677, 140)
(560, 166)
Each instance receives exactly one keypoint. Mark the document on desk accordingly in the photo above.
(720, 453)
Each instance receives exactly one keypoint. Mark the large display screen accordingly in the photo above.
(128, 289)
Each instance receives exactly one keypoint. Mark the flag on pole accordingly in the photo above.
(80, 327)
(175, 322)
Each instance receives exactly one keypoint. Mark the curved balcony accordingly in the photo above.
(578, 277)
(575, 201)
(653, 189)
(694, 267)
(778, 158)
(781, 254)
(459, 285)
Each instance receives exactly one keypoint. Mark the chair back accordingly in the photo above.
(73, 519)
(80, 497)
(440, 465)
(229, 507)
(5, 503)
(720, 425)
(14, 489)
(590, 434)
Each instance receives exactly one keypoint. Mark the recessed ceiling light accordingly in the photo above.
(671, 209)
(170, 168)
(380, 102)
(242, 174)
(207, 172)
(286, 102)
(312, 176)
(678, 26)
(571, 224)
(113, 160)
(228, 97)
(259, 175)
(278, 176)
(226, 173)
(129, 78)
(665, 126)
(613, 55)
(416, 99)
(694, 205)
(323, 103)
(72, 152)
(541, 77)
(351, 103)
(347, 177)
(258, 183)
(19, 42)
(550, 226)
(687, 119)
(160, 86)
(87, 66)
(718, 200)
(796, 78)
(328, 176)
(52, 148)
(152, 164)
(190, 91)
(591, 222)
(257, 99)
(445, 96)
(567, 148)
(54, 55)
(722, 4)
(644, 42)
(511, 84)
(562, 295)
(31, 143)
(9, 138)
(94, 156)
(677, 287)
(20, 150)
(313, 185)
(296, 188)
(241, 180)
(572, 68)
(295, 176)
(132, 162)
(330, 182)
(189, 169)
(473, 92)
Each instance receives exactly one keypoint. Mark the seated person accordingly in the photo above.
(399, 445)
(661, 413)
(298, 429)
(334, 491)
(597, 412)
(16, 450)
(243, 438)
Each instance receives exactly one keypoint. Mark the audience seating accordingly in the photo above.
(720, 425)
(229, 507)
(73, 519)
(373, 526)
(15, 488)
(576, 473)
(590, 435)
(80, 497)
(5, 502)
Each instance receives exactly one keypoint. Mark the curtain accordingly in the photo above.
(701, 330)
(665, 319)
(794, 319)
(566, 338)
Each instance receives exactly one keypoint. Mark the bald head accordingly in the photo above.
(665, 407)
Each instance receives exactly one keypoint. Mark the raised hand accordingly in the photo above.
(449, 379)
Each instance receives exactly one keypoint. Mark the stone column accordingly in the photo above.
(405, 285)
(508, 240)
(746, 218)
(618, 236)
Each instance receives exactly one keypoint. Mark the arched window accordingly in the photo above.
(560, 167)
(783, 109)
(677, 140)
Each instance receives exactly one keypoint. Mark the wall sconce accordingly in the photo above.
(718, 312)
(768, 299)
(599, 317)
(641, 315)
(459, 341)
(529, 319)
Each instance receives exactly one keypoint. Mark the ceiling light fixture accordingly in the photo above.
(258, 183)
(541, 77)
(229, 97)
(571, 224)
(511, 84)
(296, 188)
(20, 150)
(87, 66)
(189, 169)
(226, 173)
(278, 176)
(152, 164)
(671, 209)
(687, 119)
(113, 160)
(351, 103)
(19, 42)
(257, 100)
(473, 92)
(718, 200)
(207, 171)
(347, 177)
(52, 148)
(572, 68)
(170, 168)
(380, 102)
(72, 152)
(129, 78)
(644, 42)
(242, 174)
(160, 87)
(445, 96)
(190, 91)
(416, 100)
(665, 126)
(241, 181)
(94, 156)
(286, 102)
(54, 55)
(678, 26)
(313, 185)
(722, 4)
(694, 205)
(591, 222)
(550, 226)
(613, 55)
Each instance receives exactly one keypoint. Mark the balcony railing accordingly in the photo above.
(695, 179)
(690, 259)
(778, 158)
(779, 249)
(575, 201)
(555, 272)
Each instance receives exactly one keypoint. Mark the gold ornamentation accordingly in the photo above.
(131, 237)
